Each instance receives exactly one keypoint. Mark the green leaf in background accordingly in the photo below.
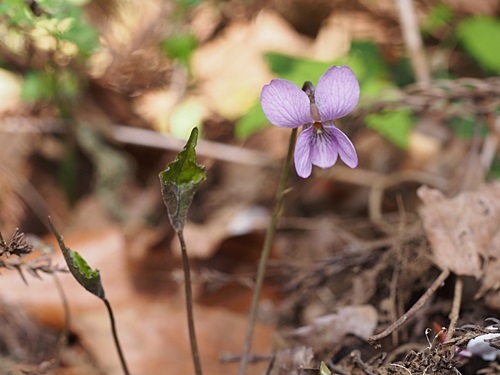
(362, 52)
(185, 116)
(480, 36)
(494, 172)
(324, 370)
(394, 125)
(180, 47)
(439, 16)
(83, 35)
(376, 76)
(179, 182)
(253, 120)
(38, 85)
(190, 3)
(295, 69)
(87, 277)
(468, 126)
(68, 22)
(16, 13)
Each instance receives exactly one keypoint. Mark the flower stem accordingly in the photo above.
(266, 247)
(189, 304)
(115, 337)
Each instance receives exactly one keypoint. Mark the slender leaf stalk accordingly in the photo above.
(115, 337)
(189, 304)
(63, 338)
(261, 271)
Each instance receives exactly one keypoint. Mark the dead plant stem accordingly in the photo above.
(417, 306)
(189, 304)
(455, 308)
(271, 229)
(393, 295)
(413, 40)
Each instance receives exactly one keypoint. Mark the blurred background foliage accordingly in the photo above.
(152, 66)
(56, 42)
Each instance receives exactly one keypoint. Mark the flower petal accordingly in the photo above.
(346, 149)
(302, 155)
(337, 93)
(284, 104)
(324, 148)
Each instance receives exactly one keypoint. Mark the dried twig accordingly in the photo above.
(19, 247)
(385, 182)
(455, 309)
(151, 138)
(417, 306)
(476, 96)
(252, 358)
(413, 41)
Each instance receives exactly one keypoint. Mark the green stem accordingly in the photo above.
(189, 304)
(261, 271)
(115, 337)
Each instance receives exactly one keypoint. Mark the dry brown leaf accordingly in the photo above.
(330, 330)
(292, 361)
(463, 230)
(203, 240)
(231, 68)
(491, 278)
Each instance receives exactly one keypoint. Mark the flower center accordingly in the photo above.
(319, 128)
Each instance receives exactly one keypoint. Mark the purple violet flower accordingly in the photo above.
(320, 142)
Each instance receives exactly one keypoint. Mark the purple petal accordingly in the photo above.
(324, 149)
(302, 155)
(337, 93)
(284, 104)
(346, 149)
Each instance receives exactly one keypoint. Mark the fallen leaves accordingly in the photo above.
(329, 330)
(463, 230)
(151, 328)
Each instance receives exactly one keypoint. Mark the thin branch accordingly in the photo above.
(219, 151)
(381, 184)
(115, 336)
(455, 309)
(189, 304)
(413, 40)
(417, 306)
(252, 358)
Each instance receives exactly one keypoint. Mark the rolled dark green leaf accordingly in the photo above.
(180, 181)
(87, 277)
